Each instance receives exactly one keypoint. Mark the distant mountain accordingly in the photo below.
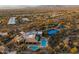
(16, 6)
(35, 6)
(57, 6)
(22, 9)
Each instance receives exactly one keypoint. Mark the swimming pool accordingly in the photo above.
(52, 32)
(33, 47)
(44, 42)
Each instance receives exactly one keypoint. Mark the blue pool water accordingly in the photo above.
(52, 32)
(34, 47)
(44, 42)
